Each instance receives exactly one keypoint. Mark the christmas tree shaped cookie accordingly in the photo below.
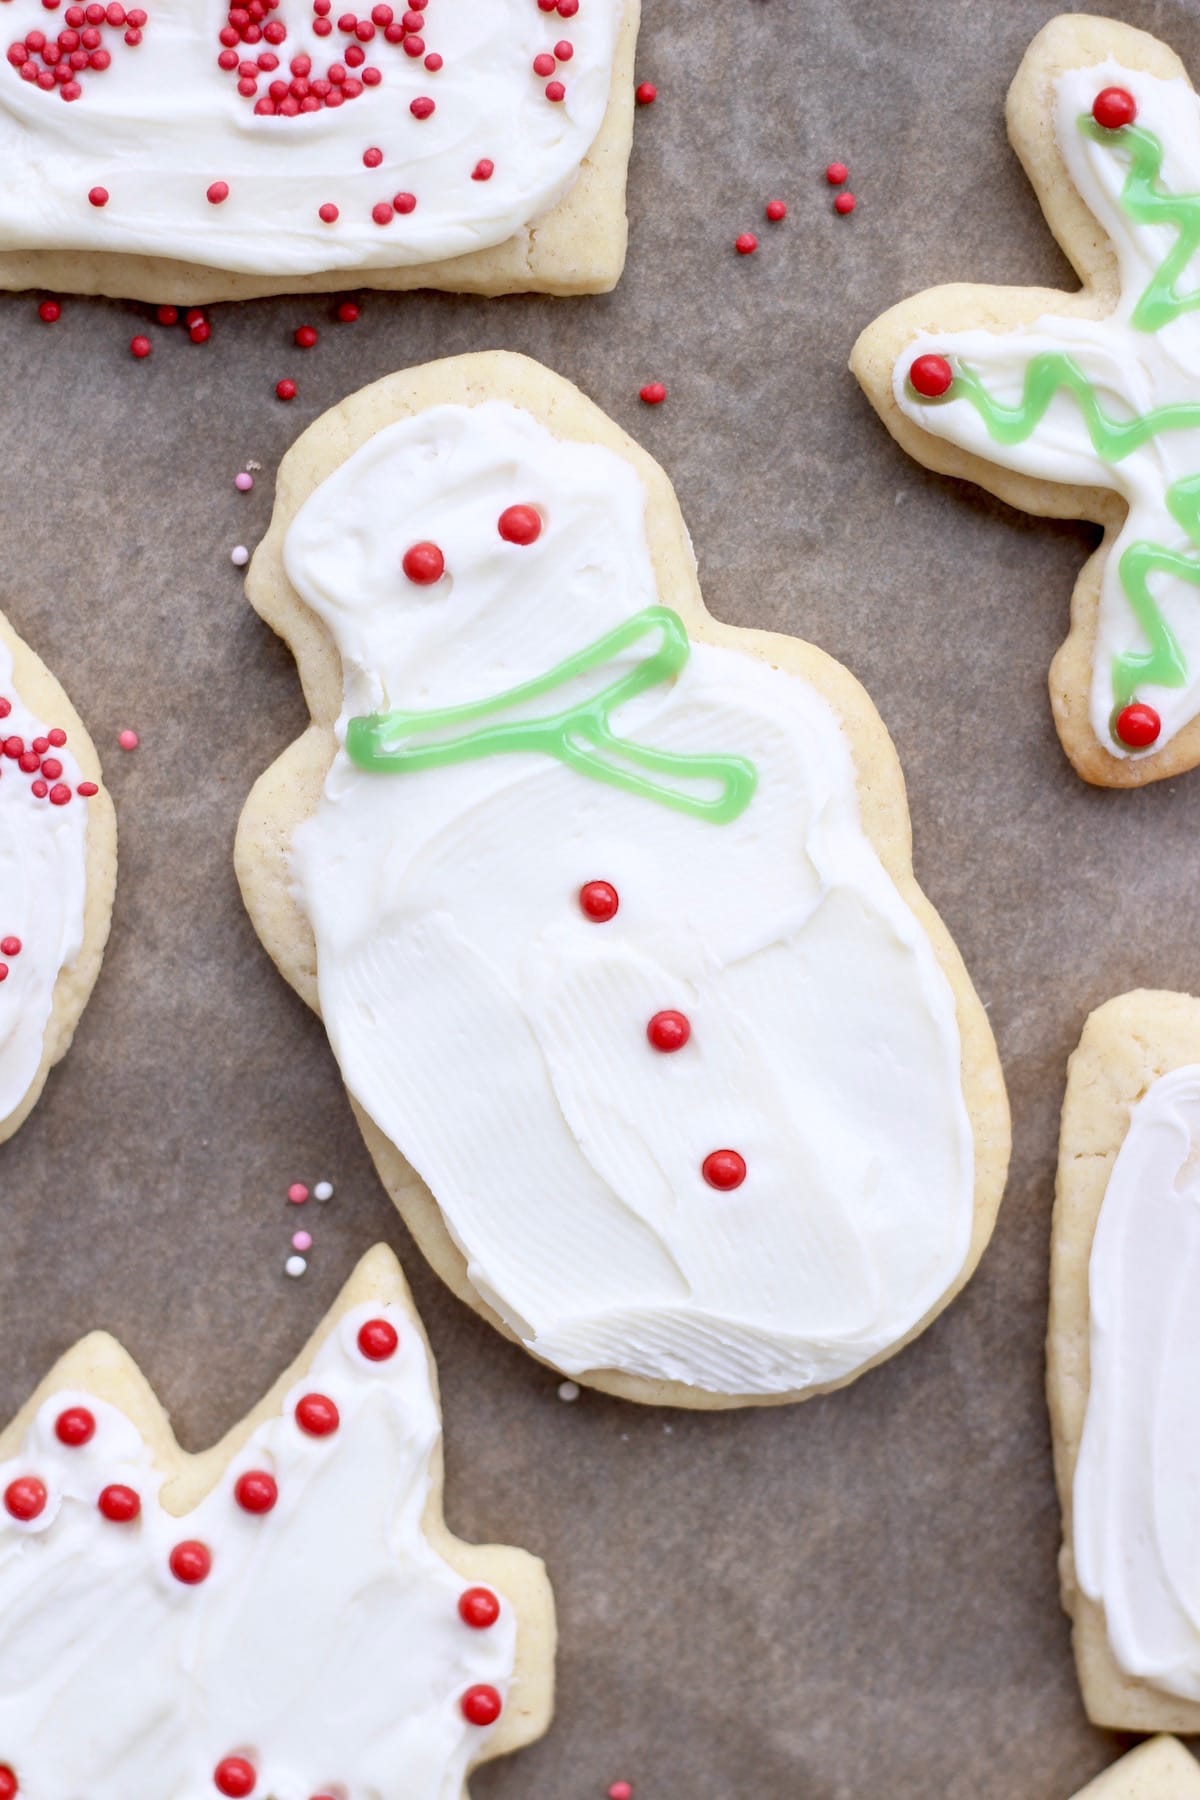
(183, 152)
(608, 909)
(1087, 405)
(285, 1616)
(1159, 1770)
(1124, 1360)
(58, 865)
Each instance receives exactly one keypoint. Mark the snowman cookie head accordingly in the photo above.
(602, 945)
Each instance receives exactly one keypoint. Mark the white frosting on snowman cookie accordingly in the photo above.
(322, 1653)
(498, 1034)
(454, 117)
(1126, 414)
(43, 876)
(1137, 1481)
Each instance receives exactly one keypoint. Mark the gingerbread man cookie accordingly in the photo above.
(185, 153)
(1124, 1360)
(608, 909)
(1087, 405)
(1159, 1770)
(58, 865)
(285, 1615)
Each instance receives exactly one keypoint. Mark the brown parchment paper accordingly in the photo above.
(847, 1600)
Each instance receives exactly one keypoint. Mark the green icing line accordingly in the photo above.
(1147, 204)
(580, 736)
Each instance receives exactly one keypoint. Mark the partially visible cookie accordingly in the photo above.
(1124, 1360)
(1159, 1770)
(291, 146)
(1087, 404)
(58, 867)
(285, 1614)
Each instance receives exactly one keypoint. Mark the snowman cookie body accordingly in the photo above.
(602, 945)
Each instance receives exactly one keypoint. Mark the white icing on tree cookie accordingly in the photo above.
(295, 136)
(602, 945)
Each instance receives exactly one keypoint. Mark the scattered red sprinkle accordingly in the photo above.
(378, 1339)
(86, 789)
(404, 203)
(479, 1608)
(654, 393)
(140, 347)
(57, 736)
(317, 1415)
(285, 389)
(845, 203)
(598, 901)
(9, 1788)
(200, 332)
(484, 169)
(306, 336)
(218, 191)
(669, 1031)
(724, 1169)
(836, 173)
(328, 213)
(49, 312)
(118, 1504)
(1113, 108)
(234, 1777)
(75, 1426)
(372, 157)
(621, 1790)
(1138, 725)
(645, 93)
(190, 1562)
(4, 966)
(555, 91)
(776, 210)
(256, 1491)
(422, 107)
(382, 213)
(127, 739)
(167, 315)
(481, 1705)
(347, 312)
(520, 525)
(25, 1498)
(543, 64)
(98, 196)
(931, 375)
(746, 244)
(424, 564)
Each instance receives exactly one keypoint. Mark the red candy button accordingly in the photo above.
(118, 1504)
(234, 1777)
(481, 1705)
(191, 1562)
(424, 564)
(931, 376)
(256, 1491)
(25, 1498)
(598, 901)
(317, 1415)
(724, 1169)
(1114, 107)
(378, 1339)
(75, 1426)
(9, 1787)
(1138, 725)
(520, 525)
(478, 1608)
(668, 1031)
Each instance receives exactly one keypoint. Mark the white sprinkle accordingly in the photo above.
(568, 1390)
(323, 1190)
(239, 556)
(295, 1265)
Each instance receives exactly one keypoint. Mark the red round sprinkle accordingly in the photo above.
(405, 203)
(382, 213)
(564, 49)
(234, 1777)
(1138, 725)
(645, 93)
(930, 375)
(543, 64)
(328, 213)
(555, 91)
(776, 210)
(347, 312)
(9, 1787)
(167, 315)
(433, 62)
(520, 525)
(190, 1562)
(372, 157)
(86, 789)
(13, 746)
(481, 1705)
(306, 336)
(51, 768)
(598, 900)
(723, 1169)
(422, 106)
(285, 389)
(317, 1415)
(836, 173)
(140, 347)
(25, 1498)
(378, 1340)
(75, 1425)
(98, 196)
(49, 312)
(424, 564)
(200, 332)
(669, 1031)
(478, 1608)
(39, 790)
(1114, 107)
(59, 794)
(484, 169)
(118, 1504)
(746, 244)
(217, 192)
(11, 946)
(57, 736)
(4, 966)
(256, 1491)
(845, 203)
(654, 393)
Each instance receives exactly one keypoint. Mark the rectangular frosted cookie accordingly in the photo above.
(291, 146)
(1124, 1360)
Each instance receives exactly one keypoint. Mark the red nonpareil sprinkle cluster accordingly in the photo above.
(835, 175)
(44, 770)
(546, 61)
(304, 87)
(78, 50)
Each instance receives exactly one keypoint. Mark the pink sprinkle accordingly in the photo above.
(243, 482)
(127, 739)
(297, 1193)
(302, 1240)
(621, 1790)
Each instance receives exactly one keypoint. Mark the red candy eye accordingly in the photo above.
(520, 525)
(191, 1563)
(25, 1498)
(1138, 726)
(931, 376)
(119, 1505)
(378, 1340)
(75, 1426)
(256, 1491)
(724, 1169)
(598, 901)
(478, 1608)
(317, 1415)
(1113, 108)
(668, 1031)
(481, 1705)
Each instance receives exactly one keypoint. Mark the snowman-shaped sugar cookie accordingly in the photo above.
(669, 1065)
